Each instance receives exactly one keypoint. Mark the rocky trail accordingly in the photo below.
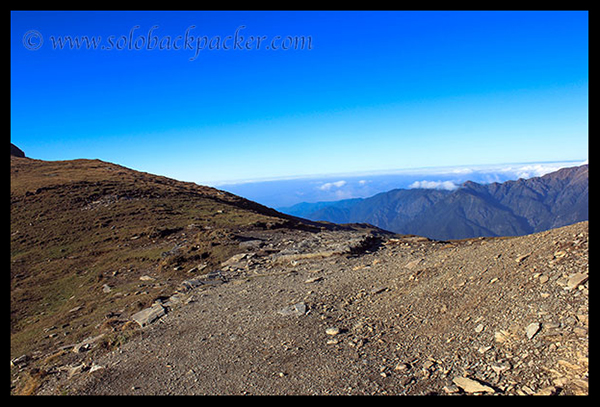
(360, 313)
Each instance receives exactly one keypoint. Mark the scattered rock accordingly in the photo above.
(502, 336)
(86, 344)
(575, 280)
(149, 315)
(251, 244)
(560, 254)
(297, 309)
(532, 329)
(424, 337)
(412, 264)
(19, 361)
(472, 386)
(235, 260)
(500, 367)
(483, 349)
(332, 331)
(378, 290)
(548, 391)
(451, 389)
(96, 367)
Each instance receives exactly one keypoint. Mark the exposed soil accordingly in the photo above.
(370, 314)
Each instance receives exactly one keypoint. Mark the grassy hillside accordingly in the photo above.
(83, 232)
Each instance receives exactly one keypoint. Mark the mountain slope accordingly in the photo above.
(507, 209)
(84, 232)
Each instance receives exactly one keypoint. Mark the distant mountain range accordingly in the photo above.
(498, 209)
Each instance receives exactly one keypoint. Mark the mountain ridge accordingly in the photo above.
(510, 208)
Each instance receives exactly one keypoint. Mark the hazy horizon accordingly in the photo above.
(286, 192)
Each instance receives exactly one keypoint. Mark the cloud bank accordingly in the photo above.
(280, 193)
(332, 185)
(447, 185)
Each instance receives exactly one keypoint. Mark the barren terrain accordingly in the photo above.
(409, 316)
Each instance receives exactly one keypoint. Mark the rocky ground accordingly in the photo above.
(357, 313)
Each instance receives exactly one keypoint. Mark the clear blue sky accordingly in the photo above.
(375, 91)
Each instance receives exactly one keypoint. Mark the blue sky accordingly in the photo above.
(376, 91)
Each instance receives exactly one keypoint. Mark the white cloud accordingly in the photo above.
(363, 182)
(533, 170)
(447, 185)
(330, 185)
(462, 171)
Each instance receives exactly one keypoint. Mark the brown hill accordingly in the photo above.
(89, 240)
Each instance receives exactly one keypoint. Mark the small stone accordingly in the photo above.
(471, 386)
(525, 391)
(149, 315)
(484, 349)
(332, 331)
(412, 264)
(106, 288)
(575, 280)
(75, 370)
(96, 367)
(146, 278)
(500, 367)
(544, 278)
(428, 364)
(532, 329)
(547, 391)
(313, 280)
(502, 336)
(559, 254)
(479, 328)
(297, 309)
(21, 360)
(451, 389)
